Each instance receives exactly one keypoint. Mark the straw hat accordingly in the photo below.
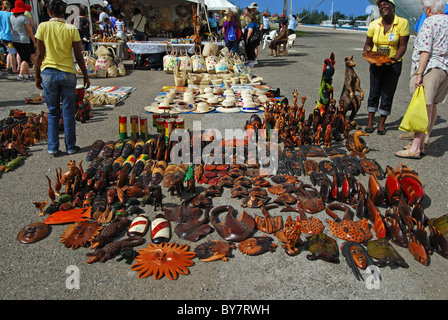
(20, 7)
(253, 5)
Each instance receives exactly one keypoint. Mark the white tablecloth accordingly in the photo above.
(148, 47)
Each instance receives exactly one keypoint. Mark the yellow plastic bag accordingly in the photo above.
(416, 117)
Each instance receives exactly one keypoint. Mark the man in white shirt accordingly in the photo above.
(292, 25)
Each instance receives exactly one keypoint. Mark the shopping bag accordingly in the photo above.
(170, 62)
(198, 61)
(210, 63)
(416, 117)
(185, 63)
(102, 66)
(211, 47)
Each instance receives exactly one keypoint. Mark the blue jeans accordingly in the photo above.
(60, 90)
(233, 46)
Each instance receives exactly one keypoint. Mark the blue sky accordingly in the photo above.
(347, 7)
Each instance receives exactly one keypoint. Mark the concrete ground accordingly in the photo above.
(44, 270)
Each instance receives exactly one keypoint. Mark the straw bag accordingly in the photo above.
(198, 61)
(101, 51)
(238, 64)
(102, 66)
(210, 63)
(222, 66)
(170, 61)
(89, 61)
(180, 78)
(185, 63)
(121, 69)
(112, 72)
(211, 47)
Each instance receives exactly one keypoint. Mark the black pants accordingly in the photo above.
(383, 83)
(250, 51)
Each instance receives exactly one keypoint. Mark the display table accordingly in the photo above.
(158, 46)
(117, 46)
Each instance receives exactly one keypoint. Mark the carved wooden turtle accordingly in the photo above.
(214, 250)
(242, 181)
(239, 192)
(258, 192)
(213, 191)
(257, 245)
(260, 182)
(202, 201)
(225, 182)
(254, 202)
(286, 199)
(282, 188)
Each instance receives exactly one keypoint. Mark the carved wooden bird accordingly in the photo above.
(198, 172)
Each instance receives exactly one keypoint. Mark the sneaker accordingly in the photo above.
(73, 151)
(31, 78)
(55, 154)
(255, 61)
(21, 78)
(250, 64)
(3, 74)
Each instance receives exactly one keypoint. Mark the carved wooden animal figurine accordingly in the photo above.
(356, 143)
(352, 84)
(328, 136)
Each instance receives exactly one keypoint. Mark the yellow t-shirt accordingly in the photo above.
(388, 42)
(58, 38)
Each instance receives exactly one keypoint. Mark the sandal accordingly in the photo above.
(408, 154)
(407, 147)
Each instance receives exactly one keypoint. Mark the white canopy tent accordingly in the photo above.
(218, 5)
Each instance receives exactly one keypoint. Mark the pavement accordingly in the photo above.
(46, 270)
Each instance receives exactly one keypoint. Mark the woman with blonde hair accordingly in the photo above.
(231, 31)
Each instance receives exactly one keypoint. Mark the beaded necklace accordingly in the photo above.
(58, 20)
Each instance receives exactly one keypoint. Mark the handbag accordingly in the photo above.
(210, 63)
(255, 37)
(211, 47)
(102, 66)
(222, 66)
(185, 63)
(198, 61)
(112, 72)
(416, 117)
(170, 62)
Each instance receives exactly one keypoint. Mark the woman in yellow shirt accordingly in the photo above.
(388, 34)
(56, 74)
